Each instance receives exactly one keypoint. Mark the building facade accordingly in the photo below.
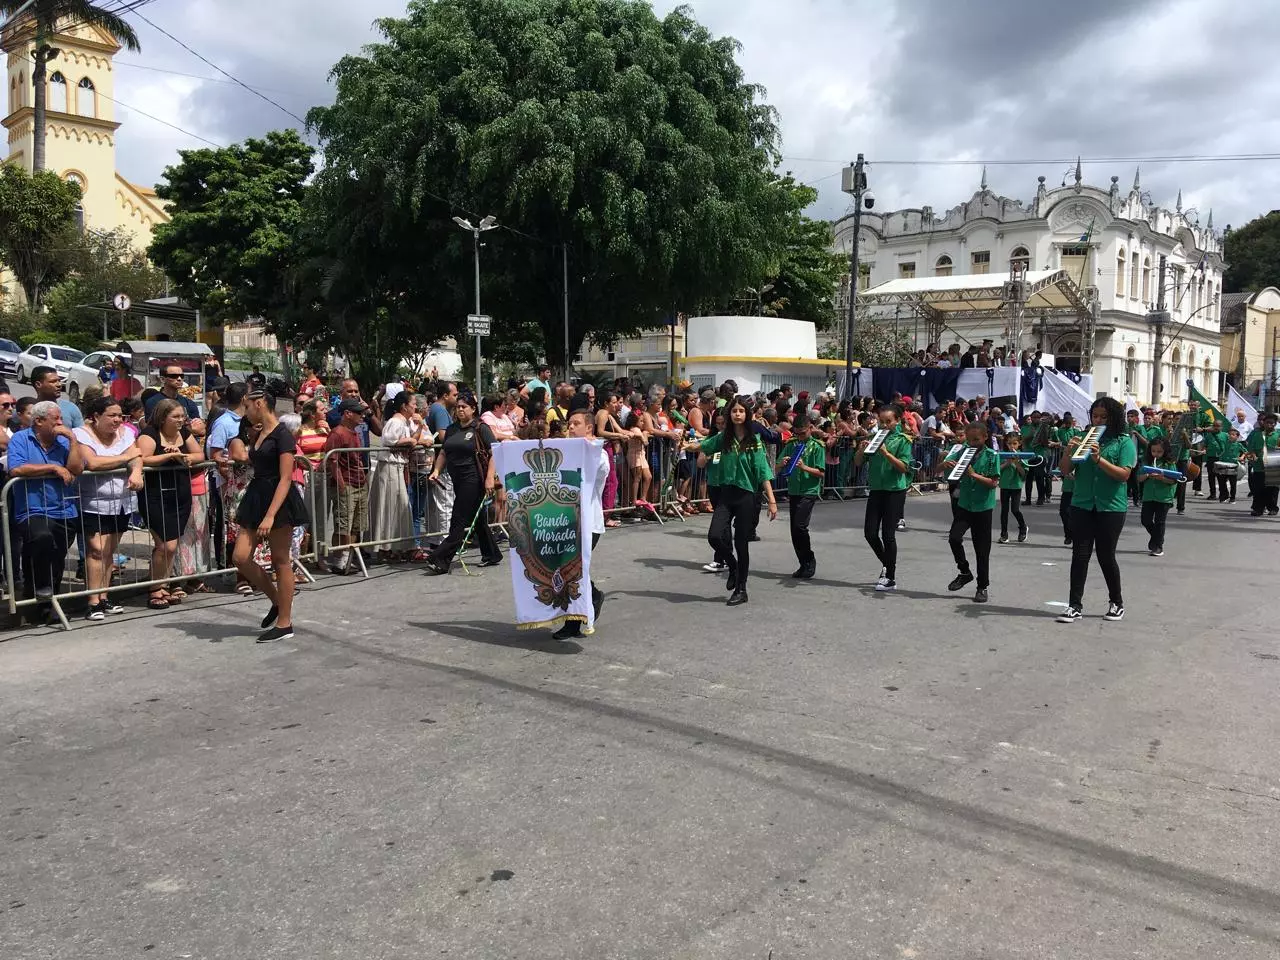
(1251, 343)
(646, 357)
(1109, 243)
(81, 128)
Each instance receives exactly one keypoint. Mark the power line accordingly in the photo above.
(1176, 158)
(194, 76)
(225, 73)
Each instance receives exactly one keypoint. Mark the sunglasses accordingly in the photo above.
(173, 376)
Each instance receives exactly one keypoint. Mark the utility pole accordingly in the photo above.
(1157, 318)
(855, 182)
(488, 223)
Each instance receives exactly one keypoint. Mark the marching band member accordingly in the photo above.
(804, 489)
(974, 505)
(744, 471)
(1262, 440)
(888, 479)
(1066, 433)
(1233, 453)
(1098, 506)
(581, 427)
(1158, 493)
(1012, 474)
(1138, 431)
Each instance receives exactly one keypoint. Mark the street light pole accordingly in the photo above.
(855, 178)
(488, 223)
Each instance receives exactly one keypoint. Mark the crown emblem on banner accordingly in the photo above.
(544, 462)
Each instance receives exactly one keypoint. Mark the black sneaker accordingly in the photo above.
(980, 596)
(1022, 536)
(1067, 541)
(1156, 552)
(1115, 611)
(731, 584)
(111, 607)
(739, 597)
(961, 581)
(1004, 538)
(1071, 615)
(799, 574)
(886, 585)
(276, 634)
(568, 631)
(808, 570)
(97, 612)
(270, 618)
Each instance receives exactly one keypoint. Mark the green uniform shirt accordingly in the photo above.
(973, 495)
(1095, 490)
(801, 484)
(1255, 446)
(1065, 436)
(1215, 441)
(713, 469)
(747, 470)
(1141, 437)
(1155, 489)
(1233, 450)
(1011, 478)
(883, 475)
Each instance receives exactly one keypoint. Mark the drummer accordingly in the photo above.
(1264, 483)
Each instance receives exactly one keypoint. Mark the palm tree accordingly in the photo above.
(47, 14)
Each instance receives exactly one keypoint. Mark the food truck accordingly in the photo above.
(150, 357)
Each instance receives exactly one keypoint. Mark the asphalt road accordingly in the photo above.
(824, 773)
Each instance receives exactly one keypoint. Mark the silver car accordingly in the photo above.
(9, 356)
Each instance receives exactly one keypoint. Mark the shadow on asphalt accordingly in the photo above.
(502, 634)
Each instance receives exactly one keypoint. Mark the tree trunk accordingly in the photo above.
(40, 89)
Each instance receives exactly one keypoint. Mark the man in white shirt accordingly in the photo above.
(580, 427)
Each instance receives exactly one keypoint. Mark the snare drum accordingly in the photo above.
(1224, 468)
(1271, 469)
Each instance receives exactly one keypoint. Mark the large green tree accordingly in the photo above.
(236, 217)
(39, 25)
(805, 284)
(634, 142)
(38, 232)
(102, 265)
(1253, 255)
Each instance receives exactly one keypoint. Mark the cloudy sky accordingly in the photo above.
(911, 80)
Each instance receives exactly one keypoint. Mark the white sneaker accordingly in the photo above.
(1070, 615)
(885, 585)
(714, 567)
(902, 524)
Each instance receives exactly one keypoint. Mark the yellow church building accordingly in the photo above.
(81, 141)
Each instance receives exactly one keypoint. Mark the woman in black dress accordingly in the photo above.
(169, 449)
(468, 453)
(271, 508)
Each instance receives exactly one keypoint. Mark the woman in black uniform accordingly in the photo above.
(468, 453)
(271, 508)
(169, 449)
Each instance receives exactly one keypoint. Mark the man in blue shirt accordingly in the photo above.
(46, 459)
(170, 383)
(49, 387)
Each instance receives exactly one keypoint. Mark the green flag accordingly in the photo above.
(1195, 394)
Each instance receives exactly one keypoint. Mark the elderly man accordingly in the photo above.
(46, 457)
(1241, 423)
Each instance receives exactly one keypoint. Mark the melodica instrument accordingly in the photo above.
(877, 440)
(962, 464)
(1154, 471)
(1092, 435)
(1032, 458)
(793, 461)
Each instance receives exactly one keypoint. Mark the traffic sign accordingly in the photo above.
(122, 302)
(478, 325)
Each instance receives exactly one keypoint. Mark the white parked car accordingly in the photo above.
(62, 359)
(84, 374)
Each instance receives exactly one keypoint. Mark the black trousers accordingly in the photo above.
(721, 556)
(1039, 478)
(44, 553)
(1009, 500)
(468, 495)
(1135, 491)
(880, 526)
(1064, 512)
(216, 528)
(1181, 497)
(1213, 477)
(953, 491)
(801, 510)
(1196, 483)
(1264, 498)
(574, 627)
(978, 526)
(1095, 532)
(730, 532)
(1153, 515)
(1228, 482)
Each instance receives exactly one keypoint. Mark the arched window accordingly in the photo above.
(86, 99)
(1195, 296)
(13, 95)
(1121, 266)
(1133, 277)
(58, 93)
(1022, 256)
(1210, 388)
(1146, 279)
(22, 89)
(1130, 370)
(942, 268)
(1175, 375)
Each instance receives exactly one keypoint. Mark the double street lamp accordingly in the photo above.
(488, 223)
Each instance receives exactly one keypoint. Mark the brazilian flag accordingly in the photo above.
(1205, 405)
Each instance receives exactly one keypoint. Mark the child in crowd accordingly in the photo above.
(1013, 474)
(804, 489)
(975, 502)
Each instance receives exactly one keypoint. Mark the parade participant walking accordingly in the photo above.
(1158, 493)
(743, 472)
(1263, 439)
(580, 428)
(1098, 506)
(270, 510)
(975, 502)
(804, 490)
(1013, 473)
(468, 453)
(888, 479)
(1066, 433)
(1233, 453)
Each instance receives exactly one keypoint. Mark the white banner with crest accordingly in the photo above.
(549, 485)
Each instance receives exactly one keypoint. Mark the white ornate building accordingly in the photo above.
(1107, 243)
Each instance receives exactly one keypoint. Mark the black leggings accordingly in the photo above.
(1064, 512)
(1153, 515)
(1264, 497)
(1011, 499)
(978, 525)
(1228, 481)
(880, 526)
(731, 527)
(1038, 477)
(1095, 531)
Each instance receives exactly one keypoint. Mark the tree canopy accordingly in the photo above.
(1253, 255)
(635, 142)
(38, 233)
(236, 218)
